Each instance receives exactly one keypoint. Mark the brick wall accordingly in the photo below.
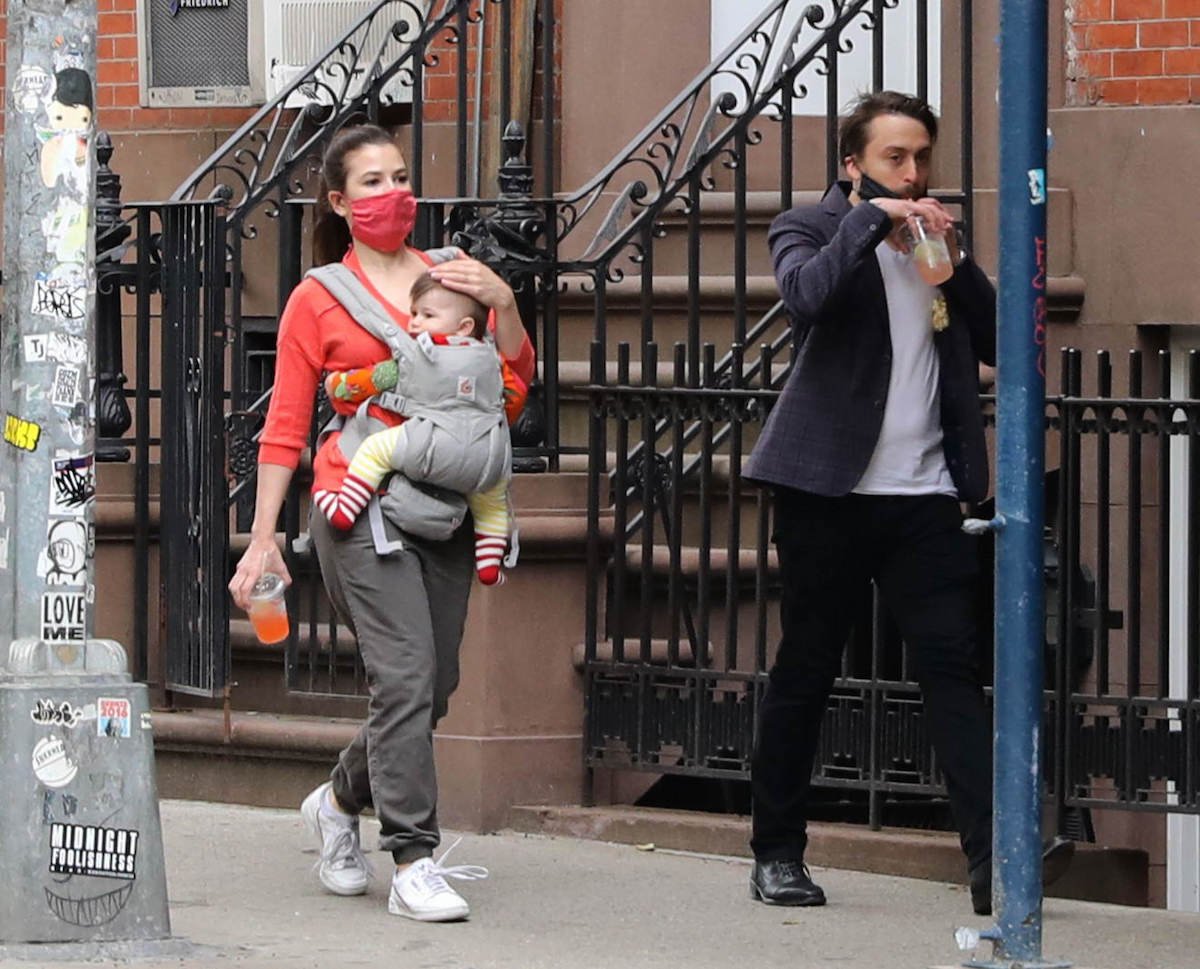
(117, 101)
(1133, 52)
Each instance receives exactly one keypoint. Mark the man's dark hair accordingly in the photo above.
(853, 131)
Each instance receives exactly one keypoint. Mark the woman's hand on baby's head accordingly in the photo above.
(470, 276)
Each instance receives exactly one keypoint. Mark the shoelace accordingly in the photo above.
(346, 852)
(434, 873)
(790, 869)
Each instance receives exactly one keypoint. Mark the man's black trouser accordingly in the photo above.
(925, 569)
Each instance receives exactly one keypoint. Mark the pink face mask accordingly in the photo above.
(384, 221)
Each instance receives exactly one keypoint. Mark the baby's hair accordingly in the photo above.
(475, 309)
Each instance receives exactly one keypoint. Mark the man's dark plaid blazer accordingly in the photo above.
(822, 431)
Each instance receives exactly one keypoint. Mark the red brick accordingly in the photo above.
(439, 111)
(1182, 8)
(1181, 62)
(1137, 9)
(125, 48)
(149, 118)
(1163, 33)
(1196, 33)
(1163, 90)
(1109, 37)
(114, 119)
(1117, 92)
(441, 88)
(231, 117)
(126, 96)
(104, 48)
(1137, 63)
(112, 24)
(1195, 90)
(106, 96)
(1094, 64)
(117, 72)
(1086, 10)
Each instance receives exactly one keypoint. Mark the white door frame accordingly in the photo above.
(1183, 830)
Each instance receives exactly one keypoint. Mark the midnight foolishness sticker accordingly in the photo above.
(80, 849)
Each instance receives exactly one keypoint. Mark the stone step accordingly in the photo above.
(1116, 875)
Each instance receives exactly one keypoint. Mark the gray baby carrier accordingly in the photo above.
(456, 439)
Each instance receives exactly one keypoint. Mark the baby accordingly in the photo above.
(448, 319)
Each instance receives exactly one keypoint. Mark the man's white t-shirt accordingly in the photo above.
(908, 458)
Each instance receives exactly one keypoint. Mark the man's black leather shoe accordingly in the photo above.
(784, 883)
(1056, 858)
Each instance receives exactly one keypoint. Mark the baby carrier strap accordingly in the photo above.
(339, 281)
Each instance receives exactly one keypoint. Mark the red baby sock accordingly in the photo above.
(343, 508)
(489, 553)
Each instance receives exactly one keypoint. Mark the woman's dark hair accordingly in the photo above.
(331, 235)
(852, 133)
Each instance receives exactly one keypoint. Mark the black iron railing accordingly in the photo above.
(684, 612)
(1130, 733)
(161, 265)
(581, 247)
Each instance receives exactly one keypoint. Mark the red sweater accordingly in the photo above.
(317, 335)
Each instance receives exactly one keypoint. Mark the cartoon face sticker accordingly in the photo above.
(70, 108)
(64, 562)
(69, 117)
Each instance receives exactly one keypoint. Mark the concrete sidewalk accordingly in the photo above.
(243, 893)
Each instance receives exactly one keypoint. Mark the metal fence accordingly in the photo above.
(160, 269)
(683, 598)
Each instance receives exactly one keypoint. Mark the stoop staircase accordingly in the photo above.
(661, 344)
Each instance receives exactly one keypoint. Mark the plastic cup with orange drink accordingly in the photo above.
(931, 256)
(268, 609)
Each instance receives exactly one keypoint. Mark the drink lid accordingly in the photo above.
(269, 586)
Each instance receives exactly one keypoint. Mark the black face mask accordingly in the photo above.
(869, 189)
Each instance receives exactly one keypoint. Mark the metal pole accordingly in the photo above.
(1020, 610)
(48, 343)
(82, 843)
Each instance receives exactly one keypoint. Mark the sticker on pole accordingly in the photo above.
(1037, 186)
(51, 765)
(21, 434)
(63, 298)
(114, 718)
(49, 713)
(63, 617)
(64, 560)
(73, 482)
(85, 849)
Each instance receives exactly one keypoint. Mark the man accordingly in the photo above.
(874, 442)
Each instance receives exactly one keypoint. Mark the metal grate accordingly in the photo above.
(198, 46)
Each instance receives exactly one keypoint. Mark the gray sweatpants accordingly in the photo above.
(407, 611)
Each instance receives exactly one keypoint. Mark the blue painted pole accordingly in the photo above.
(1020, 609)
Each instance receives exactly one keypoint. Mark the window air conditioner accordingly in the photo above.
(196, 53)
(298, 32)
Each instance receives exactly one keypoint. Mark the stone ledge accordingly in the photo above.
(1116, 875)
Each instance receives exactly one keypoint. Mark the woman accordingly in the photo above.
(406, 608)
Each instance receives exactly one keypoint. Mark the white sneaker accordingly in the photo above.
(343, 868)
(420, 891)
